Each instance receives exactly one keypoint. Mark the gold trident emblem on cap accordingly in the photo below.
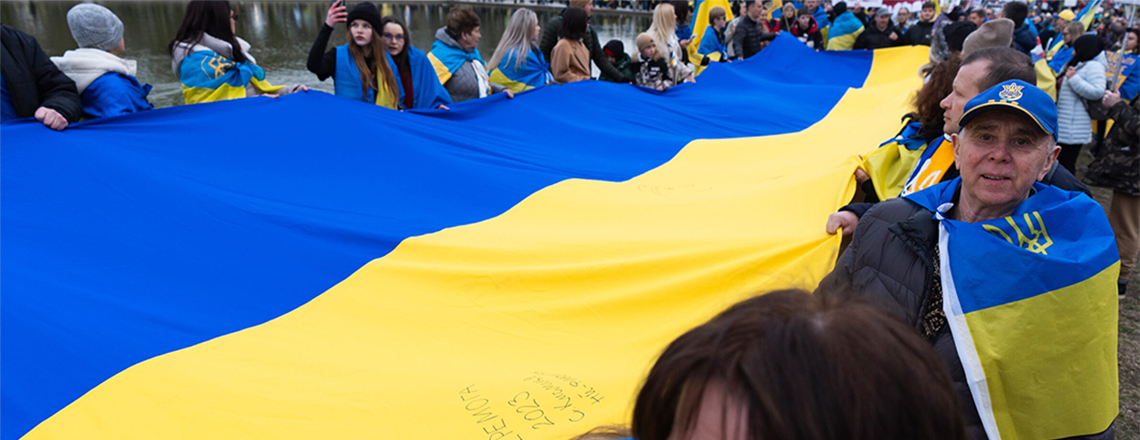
(1011, 92)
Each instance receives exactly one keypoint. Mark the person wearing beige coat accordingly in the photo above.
(570, 60)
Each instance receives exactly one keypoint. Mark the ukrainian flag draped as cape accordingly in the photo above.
(844, 31)
(701, 25)
(207, 76)
(1036, 333)
(454, 277)
(447, 59)
(534, 72)
(427, 89)
(710, 45)
(891, 165)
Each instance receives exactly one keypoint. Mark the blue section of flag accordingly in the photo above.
(129, 237)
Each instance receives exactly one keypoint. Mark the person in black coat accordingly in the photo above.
(1023, 39)
(920, 33)
(32, 85)
(881, 33)
(752, 33)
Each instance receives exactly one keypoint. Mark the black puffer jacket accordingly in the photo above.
(874, 38)
(749, 37)
(1023, 39)
(890, 264)
(33, 80)
(920, 33)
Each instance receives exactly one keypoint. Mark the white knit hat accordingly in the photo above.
(94, 26)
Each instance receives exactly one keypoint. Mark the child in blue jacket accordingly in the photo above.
(106, 83)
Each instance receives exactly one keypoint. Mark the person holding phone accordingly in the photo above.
(361, 68)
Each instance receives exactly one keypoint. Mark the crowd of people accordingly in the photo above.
(989, 131)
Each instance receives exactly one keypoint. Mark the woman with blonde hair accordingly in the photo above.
(361, 68)
(517, 62)
(663, 31)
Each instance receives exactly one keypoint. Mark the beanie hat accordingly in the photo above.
(957, 32)
(1085, 48)
(1068, 15)
(94, 26)
(366, 11)
(883, 11)
(580, 4)
(993, 33)
(644, 40)
(614, 48)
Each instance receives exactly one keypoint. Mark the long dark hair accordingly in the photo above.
(1136, 32)
(208, 17)
(407, 37)
(803, 366)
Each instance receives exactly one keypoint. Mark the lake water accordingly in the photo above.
(281, 33)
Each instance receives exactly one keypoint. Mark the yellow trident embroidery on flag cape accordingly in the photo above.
(1040, 237)
(219, 64)
(1011, 92)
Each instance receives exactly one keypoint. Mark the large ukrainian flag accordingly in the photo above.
(313, 267)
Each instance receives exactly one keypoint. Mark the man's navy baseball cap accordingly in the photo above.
(1018, 95)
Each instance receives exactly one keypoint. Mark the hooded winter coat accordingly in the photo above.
(1074, 126)
(1023, 39)
(810, 36)
(105, 82)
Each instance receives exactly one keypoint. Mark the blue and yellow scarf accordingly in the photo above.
(1031, 302)
(535, 71)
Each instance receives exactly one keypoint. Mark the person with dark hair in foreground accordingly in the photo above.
(791, 365)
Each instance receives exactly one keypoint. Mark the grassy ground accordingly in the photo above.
(1128, 424)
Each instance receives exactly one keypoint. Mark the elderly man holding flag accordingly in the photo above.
(1013, 282)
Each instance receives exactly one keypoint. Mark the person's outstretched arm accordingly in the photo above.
(320, 62)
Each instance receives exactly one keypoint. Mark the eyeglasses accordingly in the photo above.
(398, 37)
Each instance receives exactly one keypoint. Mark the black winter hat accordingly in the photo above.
(957, 32)
(839, 9)
(1086, 48)
(366, 11)
(614, 48)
